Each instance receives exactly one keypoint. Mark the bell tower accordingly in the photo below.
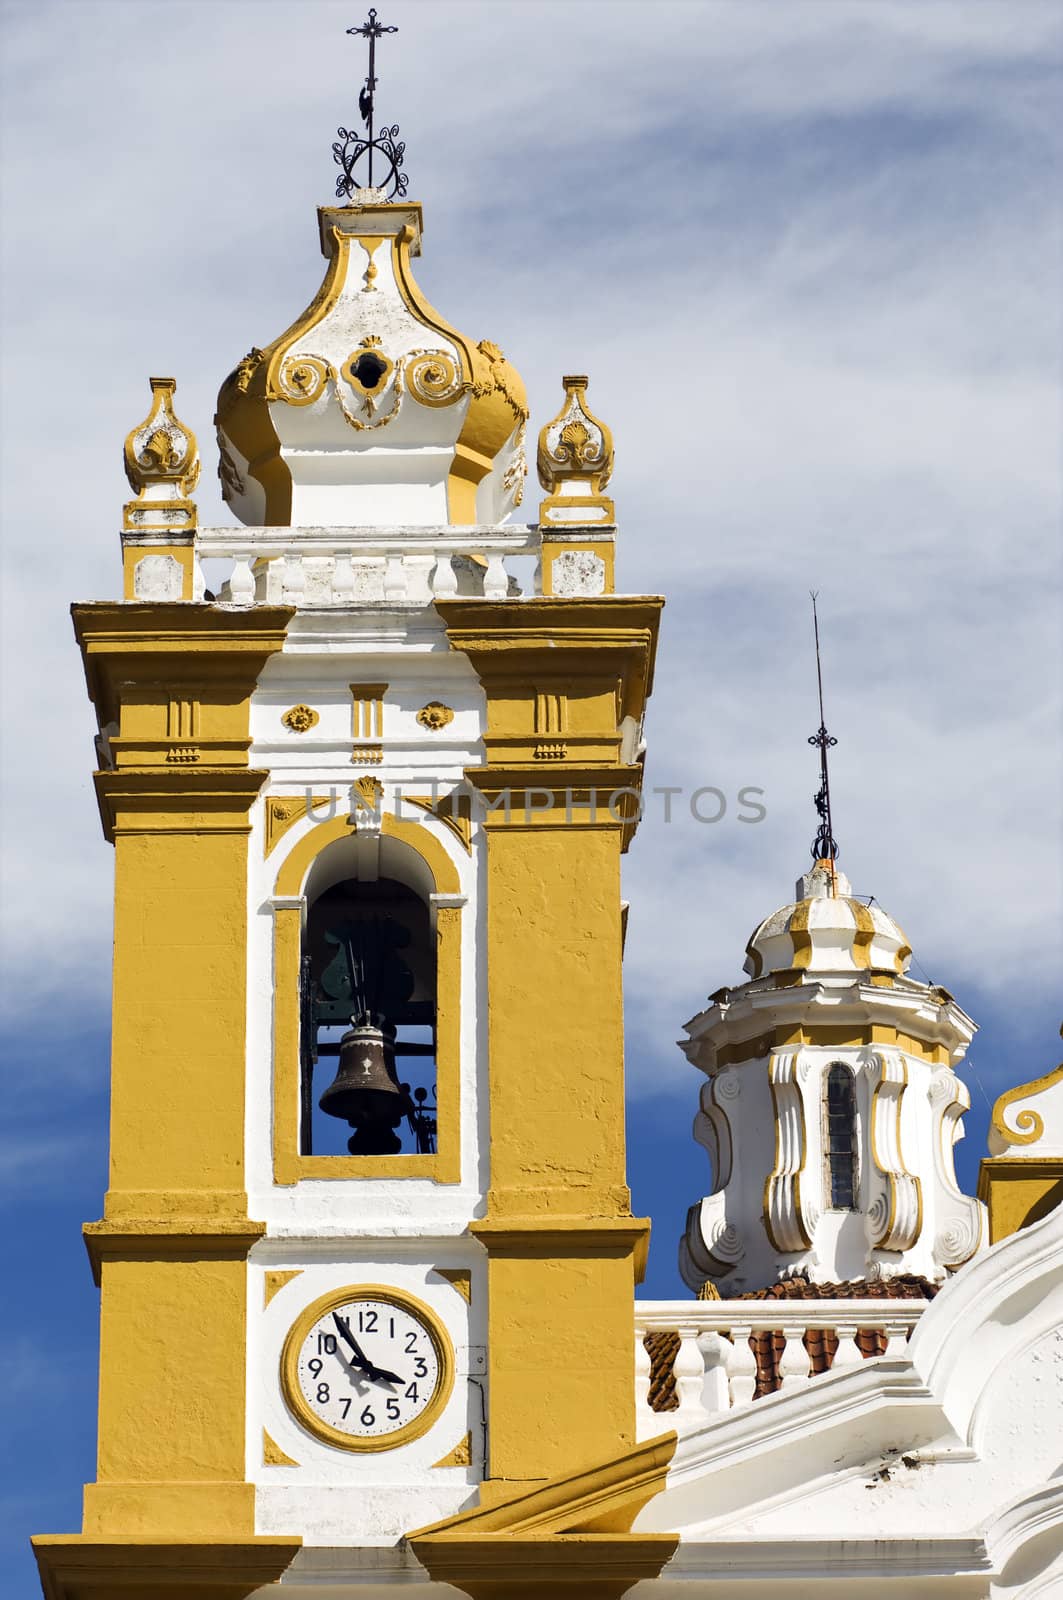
(368, 759)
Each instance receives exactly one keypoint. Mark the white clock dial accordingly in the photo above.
(366, 1368)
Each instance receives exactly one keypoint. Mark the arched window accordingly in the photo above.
(839, 1131)
(368, 1022)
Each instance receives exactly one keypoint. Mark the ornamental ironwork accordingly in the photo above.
(383, 152)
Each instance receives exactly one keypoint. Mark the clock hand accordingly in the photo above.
(359, 1353)
(383, 1375)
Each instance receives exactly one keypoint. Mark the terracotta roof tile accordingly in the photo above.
(904, 1287)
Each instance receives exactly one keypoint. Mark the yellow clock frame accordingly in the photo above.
(289, 1370)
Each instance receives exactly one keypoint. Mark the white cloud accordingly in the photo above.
(806, 252)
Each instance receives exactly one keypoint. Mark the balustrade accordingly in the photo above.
(717, 1367)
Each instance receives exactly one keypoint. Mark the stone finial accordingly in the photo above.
(575, 462)
(162, 464)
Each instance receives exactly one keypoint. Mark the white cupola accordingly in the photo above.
(831, 1106)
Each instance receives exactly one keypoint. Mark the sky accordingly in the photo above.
(808, 252)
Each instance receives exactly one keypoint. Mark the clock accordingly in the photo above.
(367, 1368)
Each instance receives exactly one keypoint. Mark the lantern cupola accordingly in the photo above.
(372, 408)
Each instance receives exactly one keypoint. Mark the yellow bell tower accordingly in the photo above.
(369, 762)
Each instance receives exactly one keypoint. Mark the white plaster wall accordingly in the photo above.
(350, 1231)
(340, 1497)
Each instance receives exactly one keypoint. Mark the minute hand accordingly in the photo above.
(345, 1331)
(360, 1358)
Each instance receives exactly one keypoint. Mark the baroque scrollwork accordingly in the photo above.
(433, 378)
(302, 379)
(787, 1227)
(896, 1214)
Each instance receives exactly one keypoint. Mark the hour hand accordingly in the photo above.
(383, 1375)
(345, 1332)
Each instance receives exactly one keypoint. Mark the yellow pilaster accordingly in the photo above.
(171, 1249)
(563, 1248)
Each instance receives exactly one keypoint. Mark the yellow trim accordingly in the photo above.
(459, 1278)
(274, 1282)
(181, 1567)
(460, 1456)
(281, 813)
(1019, 1190)
(133, 554)
(289, 1371)
(605, 1497)
(831, 1037)
(288, 1165)
(292, 873)
(554, 543)
(865, 932)
(458, 822)
(800, 936)
(777, 1177)
(273, 1455)
(1029, 1123)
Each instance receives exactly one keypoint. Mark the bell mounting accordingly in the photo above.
(352, 147)
(825, 845)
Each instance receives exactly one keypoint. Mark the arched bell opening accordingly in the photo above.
(368, 1009)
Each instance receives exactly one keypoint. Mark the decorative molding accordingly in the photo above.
(459, 1278)
(281, 812)
(435, 715)
(898, 1212)
(787, 1229)
(1029, 1124)
(460, 1456)
(273, 1455)
(458, 821)
(273, 1282)
(300, 718)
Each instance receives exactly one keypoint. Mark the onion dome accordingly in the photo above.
(826, 931)
(371, 408)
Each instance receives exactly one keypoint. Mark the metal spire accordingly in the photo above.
(825, 845)
(352, 146)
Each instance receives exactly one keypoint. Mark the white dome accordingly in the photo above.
(827, 931)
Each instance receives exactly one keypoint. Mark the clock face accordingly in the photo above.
(367, 1368)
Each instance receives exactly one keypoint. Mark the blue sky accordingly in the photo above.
(808, 252)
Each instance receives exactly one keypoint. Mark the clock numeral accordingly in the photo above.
(326, 1344)
(420, 1367)
(367, 1419)
(393, 1409)
(411, 1343)
(411, 1392)
(315, 1367)
(323, 1393)
(391, 1327)
(346, 1404)
(367, 1321)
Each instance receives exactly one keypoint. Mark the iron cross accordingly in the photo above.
(372, 30)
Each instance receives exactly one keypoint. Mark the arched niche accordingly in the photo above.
(395, 877)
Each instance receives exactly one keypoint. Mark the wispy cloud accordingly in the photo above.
(808, 253)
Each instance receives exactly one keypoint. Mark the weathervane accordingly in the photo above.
(351, 146)
(825, 845)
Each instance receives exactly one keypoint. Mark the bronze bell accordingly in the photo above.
(365, 1091)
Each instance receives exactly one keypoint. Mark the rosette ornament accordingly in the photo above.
(575, 462)
(161, 461)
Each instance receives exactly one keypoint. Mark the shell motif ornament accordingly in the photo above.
(161, 460)
(575, 449)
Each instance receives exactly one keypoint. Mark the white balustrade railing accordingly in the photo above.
(350, 566)
(715, 1367)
